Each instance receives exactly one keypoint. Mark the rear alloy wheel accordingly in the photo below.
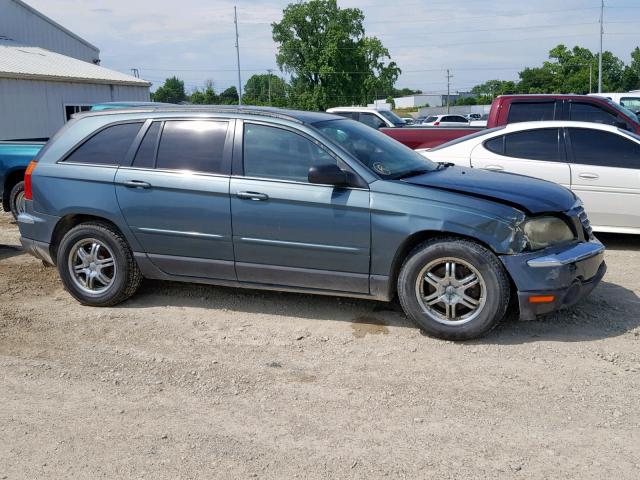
(453, 288)
(17, 202)
(96, 265)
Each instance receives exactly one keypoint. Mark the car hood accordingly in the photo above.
(530, 194)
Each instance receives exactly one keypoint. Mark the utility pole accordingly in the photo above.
(449, 77)
(600, 57)
(269, 70)
(235, 20)
(590, 77)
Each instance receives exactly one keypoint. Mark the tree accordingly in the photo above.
(229, 96)
(631, 74)
(256, 90)
(205, 97)
(330, 59)
(171, 92)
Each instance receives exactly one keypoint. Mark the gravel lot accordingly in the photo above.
(187, 381)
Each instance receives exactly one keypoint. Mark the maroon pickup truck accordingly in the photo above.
(525, 108)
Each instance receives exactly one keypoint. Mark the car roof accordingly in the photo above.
(352, 109)
(299, 116)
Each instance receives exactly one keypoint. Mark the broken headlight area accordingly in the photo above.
(542, 232)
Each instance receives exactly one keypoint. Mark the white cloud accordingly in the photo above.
(477, 40)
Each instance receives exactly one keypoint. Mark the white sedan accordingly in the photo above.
(600, 163)
(446, 121)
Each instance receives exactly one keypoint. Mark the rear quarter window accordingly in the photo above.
(107, 147)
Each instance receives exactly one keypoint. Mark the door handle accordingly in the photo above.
(495, 168)
(255, 196)
(137, 184)
(589, 176)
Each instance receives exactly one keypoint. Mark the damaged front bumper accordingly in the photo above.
(556, 277)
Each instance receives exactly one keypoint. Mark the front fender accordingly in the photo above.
(401, 211)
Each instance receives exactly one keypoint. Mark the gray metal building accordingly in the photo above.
(47, 73)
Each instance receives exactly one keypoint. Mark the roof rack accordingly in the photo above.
(263, 111)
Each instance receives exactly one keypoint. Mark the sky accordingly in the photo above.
(477, 40)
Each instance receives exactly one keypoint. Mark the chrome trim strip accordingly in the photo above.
(582, 251)
(178, 233)
(313, 246)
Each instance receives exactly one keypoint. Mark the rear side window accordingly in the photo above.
(606, 149)
(540, 144)
(586, 112)
(372, 120)
(531, 111)
(107, 147)
(196, 145)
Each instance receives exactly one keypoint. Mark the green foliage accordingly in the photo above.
(256, 91)
(568, 71)
(229, 96)
(205, 97)
(171, 92)
(330, 59)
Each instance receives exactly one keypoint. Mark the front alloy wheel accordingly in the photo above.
(451, 291)
(453, 288)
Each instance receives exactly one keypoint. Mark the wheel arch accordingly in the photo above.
(417, 238)
(70, 221)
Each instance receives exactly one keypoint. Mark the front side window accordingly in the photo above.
(378, 152)
(271, 152)
(631, 103)
(531, 111)
(542, 144)
(196, 145)
(107, 147)
(605, 149)
(586, 112)
(372, 120)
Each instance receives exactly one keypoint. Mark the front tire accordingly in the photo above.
(97, 266)
(454, 289)
(17, 200)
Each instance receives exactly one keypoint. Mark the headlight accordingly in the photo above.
(542, 232)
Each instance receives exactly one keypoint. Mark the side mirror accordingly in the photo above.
(330, 174)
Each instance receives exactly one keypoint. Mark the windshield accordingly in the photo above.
(624, 110)
(392, 117)
(379, 153)
(631, 103)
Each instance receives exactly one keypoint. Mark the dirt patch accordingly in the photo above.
(193, 381)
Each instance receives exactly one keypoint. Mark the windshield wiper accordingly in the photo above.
(411, 173)
(442, 165)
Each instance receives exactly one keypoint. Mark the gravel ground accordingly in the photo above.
(188, 381)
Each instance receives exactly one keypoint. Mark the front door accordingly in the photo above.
(536, 153)
(175, 197)
(289, 232)
(605, 174)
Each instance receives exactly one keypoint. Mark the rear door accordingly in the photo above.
(605, 174)
(537, 153)
(287, 231)
(175, 196)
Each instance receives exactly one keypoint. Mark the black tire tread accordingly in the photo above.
(12, 197)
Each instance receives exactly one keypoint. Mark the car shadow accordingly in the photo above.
(616, 241)
(609, 311)
(8, 251)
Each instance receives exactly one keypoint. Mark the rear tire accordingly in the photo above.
(97, 266)
(16, 199)
(453, 288)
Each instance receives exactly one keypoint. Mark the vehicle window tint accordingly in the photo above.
(531, 111)
(371, 120)
(344, 114)
(632, 103)
(196, 145)
(271, 152)
(595, 147)
(495, 145)
(145, 157)
(540, 144)
(585, 112)
(108, 146)
(455, 119)
(431, 119)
